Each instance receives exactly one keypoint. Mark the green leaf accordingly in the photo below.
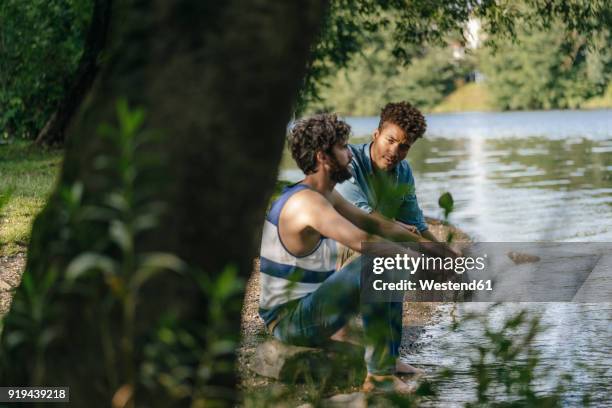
(118, 202)
(90, 261)
(121, 235)
(47, 336)
(95, 213)
(144, 222)
(220, 347)
(447, 203)
(72, 195)
(15, 338)
(129, 120)
(48, 280)
(153, 263)
(162, 260)
(227, 284)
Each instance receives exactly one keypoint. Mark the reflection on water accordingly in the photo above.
(520, 189)
(521, 176)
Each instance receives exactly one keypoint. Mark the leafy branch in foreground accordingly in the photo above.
(506, 366)
(128, 215)
(167, 361)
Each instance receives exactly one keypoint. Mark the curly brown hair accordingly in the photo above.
(406, 116)
(317, 133)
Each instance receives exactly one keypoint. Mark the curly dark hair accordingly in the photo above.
(317, 133)
(406, 116)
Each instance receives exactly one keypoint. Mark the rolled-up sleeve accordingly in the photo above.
(351, 192)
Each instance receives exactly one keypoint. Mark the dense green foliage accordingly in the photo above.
(374, 78)
(370, 52)
(538, 69)
(41, 42)
(552, 54)
(350, 25)
(169, 359)
(546, 69)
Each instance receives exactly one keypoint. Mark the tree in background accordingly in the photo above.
(41, 42)
(375, 77)
(350, 26)
(546, 69)
(49, 57)
(538, 54)
(81, 81)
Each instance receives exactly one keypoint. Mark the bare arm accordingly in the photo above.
(321, 215)
(374, 223)
(378, 224)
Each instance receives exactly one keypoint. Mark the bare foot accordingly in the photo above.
(386, 383)
(347, 336)
(405, 368)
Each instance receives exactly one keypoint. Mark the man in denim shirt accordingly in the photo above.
(382, 181)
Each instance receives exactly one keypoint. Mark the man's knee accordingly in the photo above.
(345, 256)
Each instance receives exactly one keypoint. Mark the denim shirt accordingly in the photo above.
(361, 190)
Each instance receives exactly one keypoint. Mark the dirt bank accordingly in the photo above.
(11, 269)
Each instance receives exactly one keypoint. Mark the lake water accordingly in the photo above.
(518, 177)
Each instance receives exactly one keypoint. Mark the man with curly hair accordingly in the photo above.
(382, 181)
(307, 294)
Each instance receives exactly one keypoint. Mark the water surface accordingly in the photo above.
(518, 176)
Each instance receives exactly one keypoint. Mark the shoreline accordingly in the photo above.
(11, 269)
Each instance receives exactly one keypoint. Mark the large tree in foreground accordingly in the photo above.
(189, 113)
(217, 81)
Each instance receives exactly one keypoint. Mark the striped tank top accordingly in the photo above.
(285, 277)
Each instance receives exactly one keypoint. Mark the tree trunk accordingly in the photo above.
(218, 81)
(54, 130)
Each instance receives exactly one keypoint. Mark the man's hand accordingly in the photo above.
(409, 227)
(439, 249)
(435, 248)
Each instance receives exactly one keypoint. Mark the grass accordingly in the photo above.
(471, 97)
(600, 102)
(29, 174)
(474, 97)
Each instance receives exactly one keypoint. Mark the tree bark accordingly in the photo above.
(218, 81)
(54, 130)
